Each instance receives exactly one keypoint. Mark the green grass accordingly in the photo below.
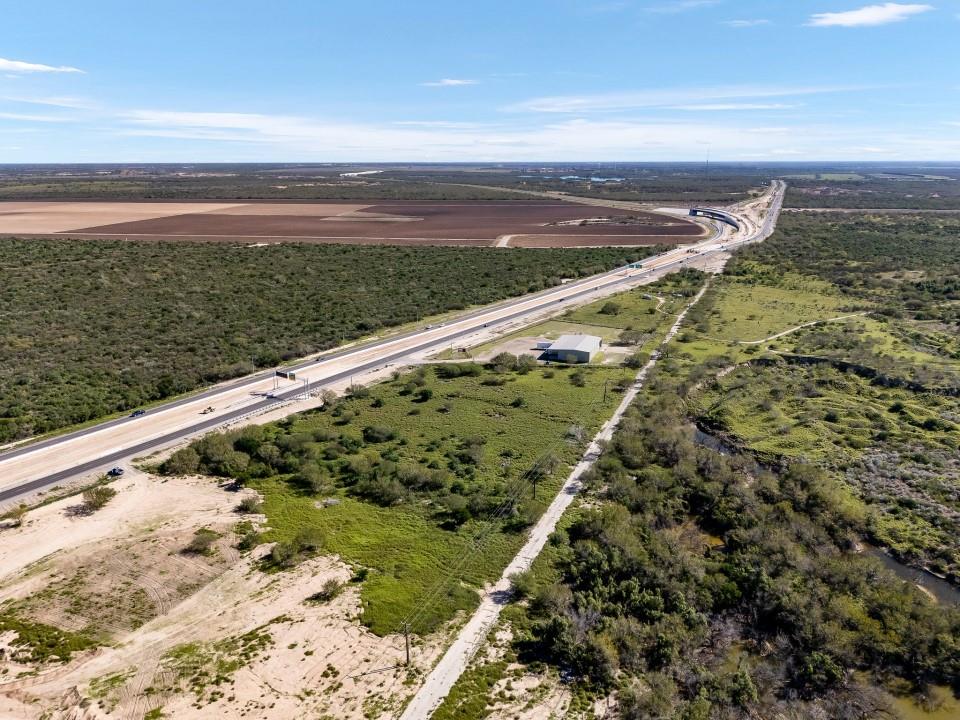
(414, 561)
(39, 643)
(202, 665)
(638, 310)
(895, 448)
(409, 555)
(471, 697)
(818, 414)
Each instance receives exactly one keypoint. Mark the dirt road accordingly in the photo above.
(455, 660)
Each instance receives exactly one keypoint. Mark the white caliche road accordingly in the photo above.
(36, 467)
(759, 226)
(471, 637)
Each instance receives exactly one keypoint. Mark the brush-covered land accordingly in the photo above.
(222, 182)
(646, 182)
(89, 328)
(929, 188)
(424, 483)
(727, 574)
(872, 395)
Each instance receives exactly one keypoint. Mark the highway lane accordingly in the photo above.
(45, 463)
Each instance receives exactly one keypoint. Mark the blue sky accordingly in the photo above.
(218, 81)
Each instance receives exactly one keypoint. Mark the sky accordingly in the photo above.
(491, 81)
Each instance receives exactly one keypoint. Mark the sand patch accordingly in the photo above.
(37, 218)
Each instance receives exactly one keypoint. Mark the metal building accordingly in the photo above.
(573, 349)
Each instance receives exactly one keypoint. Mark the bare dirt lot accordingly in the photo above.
(526, 224)
(190, 636)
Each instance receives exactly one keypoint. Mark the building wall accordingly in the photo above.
(567, 356)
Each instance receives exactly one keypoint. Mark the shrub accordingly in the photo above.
(96, 498)
(16, 515)
(331, 588)
(251, 505)
(202, 542)
(249, 540)
(378, 434)
(522, 584)
(504, 362)
(610, 308)
(358, 391)
(185, 461)
(526, 363)
(455, 370)
(631, 337)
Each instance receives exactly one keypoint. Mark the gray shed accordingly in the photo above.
(573, 349)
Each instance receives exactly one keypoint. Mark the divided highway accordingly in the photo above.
(41, 465)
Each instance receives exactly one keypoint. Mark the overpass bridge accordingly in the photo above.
(716, 215)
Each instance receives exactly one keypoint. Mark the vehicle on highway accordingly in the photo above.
(138, 413)
(115, 472)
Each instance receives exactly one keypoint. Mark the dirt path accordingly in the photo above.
(455, 660)
(800, 327)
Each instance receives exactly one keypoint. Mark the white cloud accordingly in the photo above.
(746, 23)
(443, 124)
(64, 102)
(663, 98)
(449, 82)
(732, 106)
(25, 117)
(18, 66)
(869, 15)
(195, 136)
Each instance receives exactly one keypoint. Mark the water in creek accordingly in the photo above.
(943, 591)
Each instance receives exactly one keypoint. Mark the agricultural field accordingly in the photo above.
(90, 328)
(726, 570)
(839, 185)
(535, 223)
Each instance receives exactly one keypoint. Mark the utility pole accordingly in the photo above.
(406, 639)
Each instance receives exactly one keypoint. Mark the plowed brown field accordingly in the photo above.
(528, 224)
